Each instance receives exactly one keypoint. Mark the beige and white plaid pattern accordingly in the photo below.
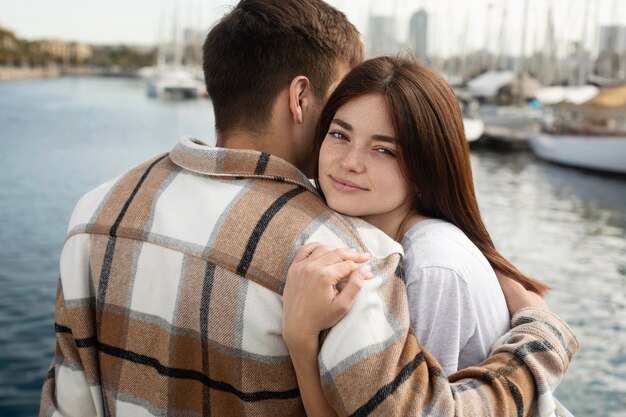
(169, 304)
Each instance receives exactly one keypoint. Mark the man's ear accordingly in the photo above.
(299, 97)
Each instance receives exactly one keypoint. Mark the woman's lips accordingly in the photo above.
(345, 185)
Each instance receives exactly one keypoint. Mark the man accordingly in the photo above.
(169, 300)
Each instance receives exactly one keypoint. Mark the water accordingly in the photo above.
(567, 227)
(60, 138)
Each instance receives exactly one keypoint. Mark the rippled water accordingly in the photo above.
(567, 227)
(60, 138)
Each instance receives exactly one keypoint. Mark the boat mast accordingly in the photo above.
(571, 71)
(175, 43)
(463, 42)
(437, 46)
(583, 60)
(368, 42)
(489, 59)
(522, 58)
(621, 55)
(502, 45)
(548, 65)
(594, 60)
(161, 47)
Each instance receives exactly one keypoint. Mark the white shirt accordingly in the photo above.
(456, 306)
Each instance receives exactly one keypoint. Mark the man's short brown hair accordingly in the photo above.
(261, 45)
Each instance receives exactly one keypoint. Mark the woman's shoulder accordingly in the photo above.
(430, 228)
(440, 259)
(437, 248)
(438, 243)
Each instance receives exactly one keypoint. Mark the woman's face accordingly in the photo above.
(359, 171)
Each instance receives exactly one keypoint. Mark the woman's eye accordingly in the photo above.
(337, 135)
(385, 151)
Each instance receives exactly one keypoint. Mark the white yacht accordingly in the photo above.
(602, 153)
(587, 129)
(472, 122)
(175, 83)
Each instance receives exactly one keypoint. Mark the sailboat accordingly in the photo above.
(171, 80)
(590, 135)
(472, 122)
(592, 151)
(503, 94)
(175, 84)
(505, 121)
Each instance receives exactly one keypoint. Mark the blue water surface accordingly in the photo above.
(60, 138)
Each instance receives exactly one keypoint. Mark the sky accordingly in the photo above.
(453, 24)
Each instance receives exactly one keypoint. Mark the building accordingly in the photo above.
(80, 53)
(57, 50)
(418, 34)
(381, 38)
(612, 39)
(192, 46)
(611, 62)
(8, 40)
(71, 53)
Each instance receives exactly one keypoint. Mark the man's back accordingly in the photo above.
(172, 276)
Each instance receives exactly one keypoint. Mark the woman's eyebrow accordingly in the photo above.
(343, 124)
(348, 126)
(384, 138)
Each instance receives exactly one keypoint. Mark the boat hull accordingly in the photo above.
(602, 153)
(474, 129)
(175, 84)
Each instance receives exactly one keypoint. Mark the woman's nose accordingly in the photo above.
(353, 161)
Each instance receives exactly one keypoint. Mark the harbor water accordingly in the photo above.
(60, 138)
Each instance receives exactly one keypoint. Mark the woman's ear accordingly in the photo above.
(299, 96)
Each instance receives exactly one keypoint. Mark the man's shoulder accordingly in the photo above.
(91, 203)
(87, 205)
(252, 226)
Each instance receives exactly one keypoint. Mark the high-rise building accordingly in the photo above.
(381, 36)
(418, 34)
(612, 39)
(611, 61)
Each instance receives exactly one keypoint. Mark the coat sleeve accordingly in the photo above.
(372, 364)
(72, 386)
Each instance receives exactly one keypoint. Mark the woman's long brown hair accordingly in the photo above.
(434, 154)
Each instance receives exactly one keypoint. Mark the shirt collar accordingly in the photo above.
(196, 156)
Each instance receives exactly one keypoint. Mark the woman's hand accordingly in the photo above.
(311, 300)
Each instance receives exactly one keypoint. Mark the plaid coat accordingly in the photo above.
(169, 304)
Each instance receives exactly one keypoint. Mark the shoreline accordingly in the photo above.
(17, 73)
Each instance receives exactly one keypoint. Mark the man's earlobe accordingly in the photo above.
(299, 89)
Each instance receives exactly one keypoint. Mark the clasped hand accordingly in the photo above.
(312, 301)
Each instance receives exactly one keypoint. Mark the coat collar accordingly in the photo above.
(196, 156)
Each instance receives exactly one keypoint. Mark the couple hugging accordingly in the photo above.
(220, 281)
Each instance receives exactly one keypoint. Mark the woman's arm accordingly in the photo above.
(304, 357)
(312, 303)
(517, 297)
(373, 364)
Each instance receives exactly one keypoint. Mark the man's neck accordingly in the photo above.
(265, 142)
(241, 140)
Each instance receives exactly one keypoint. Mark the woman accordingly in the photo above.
(392, 151)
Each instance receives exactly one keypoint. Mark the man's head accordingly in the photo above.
(255, 52)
